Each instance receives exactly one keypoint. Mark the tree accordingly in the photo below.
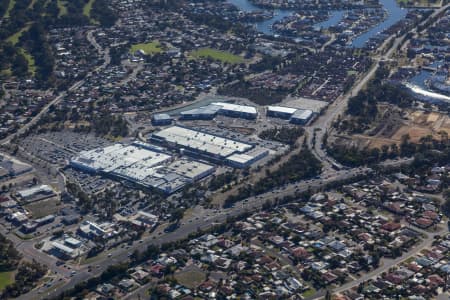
(177, 215)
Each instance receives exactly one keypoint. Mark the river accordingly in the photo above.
(395, 13)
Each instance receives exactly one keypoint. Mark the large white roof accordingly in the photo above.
(282, 109)
(302, 114)
(119, 156)
(201, 141)
(236, 108)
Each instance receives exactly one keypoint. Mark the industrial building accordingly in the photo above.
(210, 111)
(12, 167)
(199, 143)
(33, 225)
(209, 146)
(143, 164)
(280, 112)
(236, 111)
(161, 119)
(245, 160)
(294, 115)
(36, 193)
(117, 156)
(202, 113)
(301, 116)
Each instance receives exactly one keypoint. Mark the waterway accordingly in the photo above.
(266, 25)
(394, 14)
(418, 85)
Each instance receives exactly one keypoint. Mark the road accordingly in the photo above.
(157, 238)
(386, 264)
(73, 87)
(214, 217)
(323, 124)
(211, 218)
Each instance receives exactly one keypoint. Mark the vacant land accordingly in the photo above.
(43, 208)
(6, 278)
(148, 48)
(222, 56)
(190, 277)
(416, 124)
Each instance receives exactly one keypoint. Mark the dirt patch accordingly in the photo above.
(416, 124)
(415, 133)
(43, 208)
(191, 276)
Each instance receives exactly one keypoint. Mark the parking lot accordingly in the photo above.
(58, 147)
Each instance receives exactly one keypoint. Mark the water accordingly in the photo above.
(266, 25)
(427, 95)
(395, 13)
(417, 84)
(419, 79)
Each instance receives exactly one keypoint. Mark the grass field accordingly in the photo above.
(6, 278)
(11, 4)
(309, 293)
(190, 278)
(223, 56)
(14, 39)
(6, 73)
(62, 8)
(30, 60)
(87, 11)
(149, 48)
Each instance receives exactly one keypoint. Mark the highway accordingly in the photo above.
(212, 217)
(322, 125)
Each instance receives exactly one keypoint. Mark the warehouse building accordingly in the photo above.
(202, 113)
(245, 160)
(36, 193)
(12, 167)
(301, 116)
(142, 164)
(161, 119)
(236, 111)
(117, 156)
(281, 112)
(199, 143)
(33, 225)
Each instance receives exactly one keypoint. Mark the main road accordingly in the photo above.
(211, 218)
(323, 125)
(250, 204)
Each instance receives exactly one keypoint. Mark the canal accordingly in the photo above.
(394, 14)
